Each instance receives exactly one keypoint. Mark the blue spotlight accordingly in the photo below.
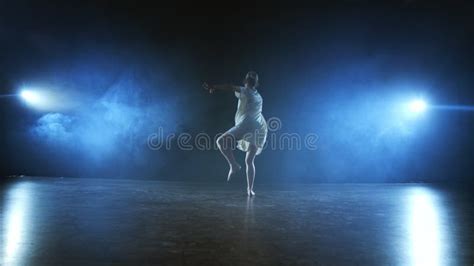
(413, 108)
(40, 99)
(31, 97)
(417, 106)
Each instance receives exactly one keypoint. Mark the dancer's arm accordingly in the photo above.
(212, 88)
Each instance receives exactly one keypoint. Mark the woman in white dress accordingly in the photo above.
(250, 130)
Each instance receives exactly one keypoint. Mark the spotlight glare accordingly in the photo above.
(417, 106)
(30, 96)
(44, 99)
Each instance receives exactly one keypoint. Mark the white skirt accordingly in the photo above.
(250, 132)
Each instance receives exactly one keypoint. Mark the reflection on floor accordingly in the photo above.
(50, 221)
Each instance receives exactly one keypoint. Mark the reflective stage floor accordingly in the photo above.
(71, 221)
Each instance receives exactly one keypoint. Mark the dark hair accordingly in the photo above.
(251, 78)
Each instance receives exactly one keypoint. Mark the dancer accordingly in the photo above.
(250, 130)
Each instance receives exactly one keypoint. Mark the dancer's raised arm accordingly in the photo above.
(224, 87)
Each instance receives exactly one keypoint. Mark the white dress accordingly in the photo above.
(250, 126)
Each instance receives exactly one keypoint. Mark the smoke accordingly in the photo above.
(110, 126)
(365, 133)
(54, 127)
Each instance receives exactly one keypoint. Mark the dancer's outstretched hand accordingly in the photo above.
(207, 87)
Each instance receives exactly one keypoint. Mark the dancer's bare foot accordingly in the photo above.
(250, 192)
(233, 170)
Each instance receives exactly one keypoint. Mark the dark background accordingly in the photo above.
(335, 69)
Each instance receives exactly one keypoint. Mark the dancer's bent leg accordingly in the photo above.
(226, 143)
